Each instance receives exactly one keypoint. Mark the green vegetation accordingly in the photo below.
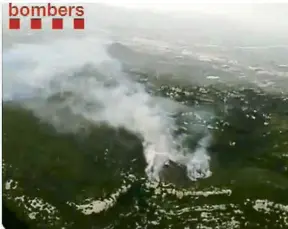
(249, 157)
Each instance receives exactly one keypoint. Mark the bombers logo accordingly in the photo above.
(36, 13)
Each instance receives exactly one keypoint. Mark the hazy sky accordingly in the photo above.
(217, 6)
(257, 13)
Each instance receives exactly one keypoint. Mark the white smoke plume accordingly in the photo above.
(109, 96)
